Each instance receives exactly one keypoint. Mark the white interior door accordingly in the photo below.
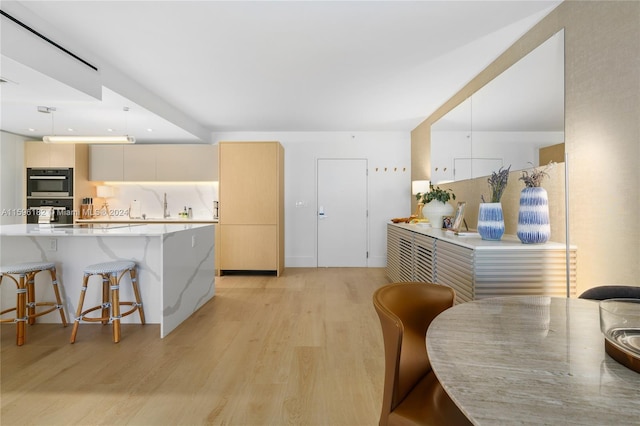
(342, 212)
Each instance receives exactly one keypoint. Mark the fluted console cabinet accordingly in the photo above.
(478, 269)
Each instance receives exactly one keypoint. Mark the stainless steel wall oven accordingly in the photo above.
(49, 182)
(50, 195)
(50, 210)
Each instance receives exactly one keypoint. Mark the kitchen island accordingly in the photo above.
(175, 264)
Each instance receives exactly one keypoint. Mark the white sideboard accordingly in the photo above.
(476, 268)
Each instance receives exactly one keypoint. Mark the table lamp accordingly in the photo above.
(105, 192)
(419, 187)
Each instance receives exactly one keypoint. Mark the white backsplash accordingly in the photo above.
(198, 196)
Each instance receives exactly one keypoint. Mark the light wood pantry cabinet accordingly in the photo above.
(40, 154)
(475, 268)
(251, 192)
(154, 163)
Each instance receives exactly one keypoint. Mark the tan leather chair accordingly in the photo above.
(412, 394)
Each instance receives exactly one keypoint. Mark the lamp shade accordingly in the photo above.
(103, 191)
(419, 186)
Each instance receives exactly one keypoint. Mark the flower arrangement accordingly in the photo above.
(436, 193)
(497, 183)
(534, 178)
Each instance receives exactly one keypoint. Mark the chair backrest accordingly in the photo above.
(405, 311)
(612, 292)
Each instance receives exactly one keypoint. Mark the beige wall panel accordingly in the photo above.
(81, 185)
(551, 153)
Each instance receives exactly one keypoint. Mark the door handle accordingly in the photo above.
(321, 214)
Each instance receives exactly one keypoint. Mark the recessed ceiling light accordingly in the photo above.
(109, 130)
(149, 130)
(69, 129)
(31, 129)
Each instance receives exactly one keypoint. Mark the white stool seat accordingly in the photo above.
(109, 267)
(23, 268)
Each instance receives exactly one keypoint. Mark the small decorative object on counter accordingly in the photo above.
(184, 213)
(436, 204)
(135, 211)
(533, 214)
(490, 216)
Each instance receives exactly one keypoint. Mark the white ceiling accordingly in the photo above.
(259, 66)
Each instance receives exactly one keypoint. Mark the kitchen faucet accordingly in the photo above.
(165, 211)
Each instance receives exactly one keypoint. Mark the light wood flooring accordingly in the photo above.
(302, 349)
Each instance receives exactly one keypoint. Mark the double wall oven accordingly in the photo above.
(50, 195)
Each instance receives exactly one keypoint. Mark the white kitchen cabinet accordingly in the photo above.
(139, 163)
(186, 163)
(154, 163)
(40, 154)
(475, 268)
(106, 163)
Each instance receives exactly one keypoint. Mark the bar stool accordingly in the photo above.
(111, 273)
(26, 295)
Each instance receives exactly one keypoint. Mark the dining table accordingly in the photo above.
(531, 360)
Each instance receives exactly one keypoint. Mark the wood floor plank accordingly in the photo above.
(301, 349)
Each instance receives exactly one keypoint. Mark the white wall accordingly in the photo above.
(389, 191)
(12, 174)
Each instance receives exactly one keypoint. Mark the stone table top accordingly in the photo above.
(531, 360)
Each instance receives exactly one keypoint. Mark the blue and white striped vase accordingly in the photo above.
(533, 216)
(490, 221)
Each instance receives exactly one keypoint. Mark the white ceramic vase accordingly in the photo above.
(435, 210)
(490, 221)
(533, 216)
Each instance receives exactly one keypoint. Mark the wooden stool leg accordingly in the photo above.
(31, 297)
(76, 322)
(54, 282)
(106, 307)
(21, 310)
(136, 291)
(115, 306)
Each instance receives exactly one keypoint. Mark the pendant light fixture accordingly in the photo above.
(90, 139)
(126, 139)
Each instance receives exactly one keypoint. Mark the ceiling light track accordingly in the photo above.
(48, 40)
(90, 139)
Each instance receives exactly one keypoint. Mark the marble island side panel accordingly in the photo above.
(175, 266)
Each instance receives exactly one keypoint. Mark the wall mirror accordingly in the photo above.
(506, 122)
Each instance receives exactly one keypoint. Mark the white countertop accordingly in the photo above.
(96, 230)
(474, 241)
(121, 220)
